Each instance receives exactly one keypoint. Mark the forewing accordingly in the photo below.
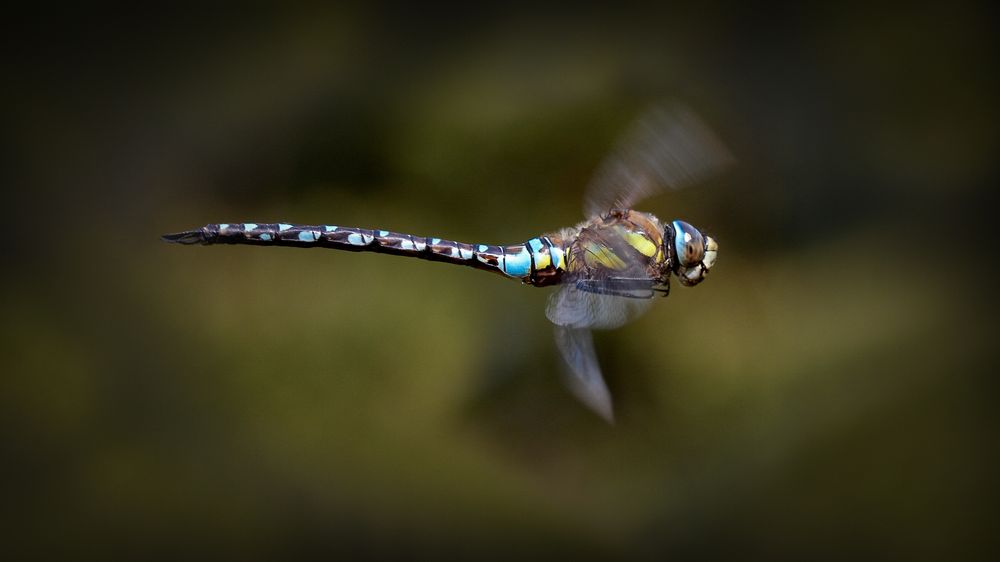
(668, 148)
(571, 307)
(582, 371)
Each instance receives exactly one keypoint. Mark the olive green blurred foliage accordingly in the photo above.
(826, 393)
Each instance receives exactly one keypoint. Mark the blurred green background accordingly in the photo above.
(827, 393)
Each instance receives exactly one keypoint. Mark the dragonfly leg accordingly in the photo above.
(664, 289)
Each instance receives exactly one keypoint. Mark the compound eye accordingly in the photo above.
(688, 243)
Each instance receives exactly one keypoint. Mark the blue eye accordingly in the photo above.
(688, 244)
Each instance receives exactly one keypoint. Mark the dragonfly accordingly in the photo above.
(605, 271)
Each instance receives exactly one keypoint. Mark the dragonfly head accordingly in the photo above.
(694, 253)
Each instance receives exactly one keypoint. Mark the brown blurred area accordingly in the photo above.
(827, 393)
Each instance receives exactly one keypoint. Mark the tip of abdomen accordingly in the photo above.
(186, 237)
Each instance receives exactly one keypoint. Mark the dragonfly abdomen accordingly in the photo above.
(536, 260)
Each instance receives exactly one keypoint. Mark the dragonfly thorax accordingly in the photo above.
(623, 244)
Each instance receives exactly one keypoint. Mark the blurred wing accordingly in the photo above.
(575, 311)
(583, 373)
(667, 148)
(574, 308)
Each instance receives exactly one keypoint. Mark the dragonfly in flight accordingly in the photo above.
(605, 270)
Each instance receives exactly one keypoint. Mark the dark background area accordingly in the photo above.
(827, 393)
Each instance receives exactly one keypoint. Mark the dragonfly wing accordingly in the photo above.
(668, 148)
(575, 311)
(572, 307)
(583, 372)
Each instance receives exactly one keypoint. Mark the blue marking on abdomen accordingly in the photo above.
(557, 257)
(308, 236)
(283, 227)
(265, 237)
(535, 245)
(518, 265)
(355, 239)
(556, 254)
(329, 228)
(249, 225)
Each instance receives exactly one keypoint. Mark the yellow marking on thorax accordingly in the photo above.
(648, 238)
(640, 242)
(600, 255)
